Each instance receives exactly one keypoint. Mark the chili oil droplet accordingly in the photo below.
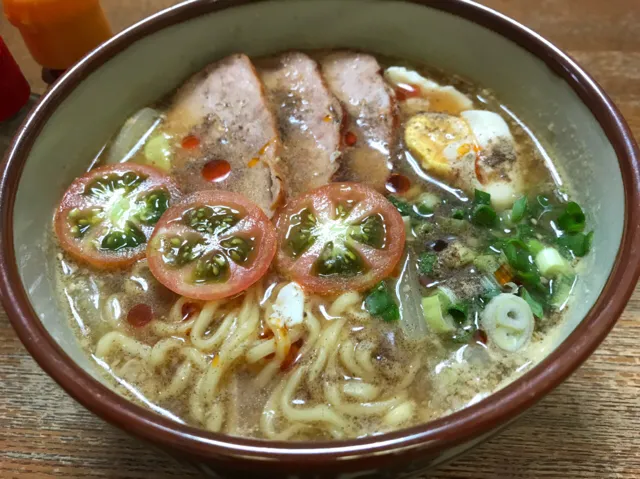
(140, 315)
(190, 142)
(406, 90)
(216, 170)
(188, 310)
(350, 138)
(398, 184)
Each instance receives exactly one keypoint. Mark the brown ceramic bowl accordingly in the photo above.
(569, 112)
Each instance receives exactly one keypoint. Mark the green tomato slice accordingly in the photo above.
(212, 245)
(339, 236)
(107, 215)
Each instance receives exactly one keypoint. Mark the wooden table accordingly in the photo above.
(588, 428)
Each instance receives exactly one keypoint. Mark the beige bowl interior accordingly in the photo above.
(155, 65)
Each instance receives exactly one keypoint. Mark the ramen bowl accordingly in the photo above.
(568, 111)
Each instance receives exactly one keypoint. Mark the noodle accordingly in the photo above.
(114, 340)
(201, 357)
(328, 342)
(343, 303)
(347, 355)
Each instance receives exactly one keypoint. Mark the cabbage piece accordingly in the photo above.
(133, 135)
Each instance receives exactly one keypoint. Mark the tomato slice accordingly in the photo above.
(107, 215)
(339, 237)
(212, 245)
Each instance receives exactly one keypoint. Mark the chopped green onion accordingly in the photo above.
(543, 201)
(432, 311)
(486, 263)
(482, 198)
(459, 312)
(520, 259)
(426, 203)
(426, 262)
(519, 209)
(539, 206)
(401, 205)
(392, 314)
(551, 263)
(578, 244)
(572, 220)
(535, 246)
(457, 214)
(561, 289)
(447, 297)
(379, 302)
(525, 231)
(490, 293)
(508, 322)
(517, 254)
(483, 215)
(536, 307)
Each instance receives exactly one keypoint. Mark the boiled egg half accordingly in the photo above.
(475, 150)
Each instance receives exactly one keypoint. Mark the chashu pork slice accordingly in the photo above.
(309, 120)
(225, 108)
(356, 80)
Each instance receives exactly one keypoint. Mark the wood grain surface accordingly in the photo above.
(588, 428)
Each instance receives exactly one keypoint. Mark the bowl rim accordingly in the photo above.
(470, 423)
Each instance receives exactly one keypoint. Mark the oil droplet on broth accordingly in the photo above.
(140, 315)
(398, 184)
(190, 142)
(216, 170)
(405, 90)
(350, 138)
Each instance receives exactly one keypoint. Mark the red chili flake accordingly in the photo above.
(406, 90)
(482, 178)
(140, 315)
(350, 138)
(216, 170)
(190, 142)
(292, 357)
(398, 184)
(480, 336)
(188, 310)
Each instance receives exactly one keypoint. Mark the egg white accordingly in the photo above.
(456, 100)
(288, 308)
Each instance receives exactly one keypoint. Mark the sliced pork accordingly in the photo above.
(224, 108)
(309, 120)
(356, 80)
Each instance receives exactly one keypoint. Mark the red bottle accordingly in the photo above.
(14, 88)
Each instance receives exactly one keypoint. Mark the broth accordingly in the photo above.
(370, 343)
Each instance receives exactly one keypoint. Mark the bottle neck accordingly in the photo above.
(49, 76)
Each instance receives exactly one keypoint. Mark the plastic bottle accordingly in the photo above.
(58, 33)
(14, 89)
